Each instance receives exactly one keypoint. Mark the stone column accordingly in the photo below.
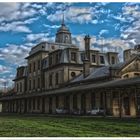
(43, 104)
(104, 103)
(46, 104)
(71, 103)
(120, 104)
(61, 101)
(111, 102)
(79, 102)
(135, 102)
(88, 102)
(53, 104)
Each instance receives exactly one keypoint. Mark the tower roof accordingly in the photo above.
(63, 27)
(63, 34)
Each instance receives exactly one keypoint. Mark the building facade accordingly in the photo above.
(62, 79)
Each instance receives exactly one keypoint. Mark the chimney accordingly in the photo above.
(87, 46)
(86, 65)
(86, 61)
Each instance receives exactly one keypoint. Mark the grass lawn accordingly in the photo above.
(42, 126)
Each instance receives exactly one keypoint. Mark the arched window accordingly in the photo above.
(66, 39)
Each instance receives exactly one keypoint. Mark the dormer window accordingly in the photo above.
(102, 61)
(73, 56)
(93, 58)
(53, 47)
(112, 60)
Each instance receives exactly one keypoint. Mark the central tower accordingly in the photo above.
(63, 34)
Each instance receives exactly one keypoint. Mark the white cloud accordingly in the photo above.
(103, 44)
(52, 26)
(4, 69)
(94, 21)
(15, 16)
(131, 33)
(14, 54)
(103, 32)
(16, 11)
(74, 14)
(37, 37)
(14, 27)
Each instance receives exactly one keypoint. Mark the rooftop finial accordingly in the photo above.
(63, 22)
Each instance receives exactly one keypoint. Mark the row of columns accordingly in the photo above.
(81, 103)
(111, 101)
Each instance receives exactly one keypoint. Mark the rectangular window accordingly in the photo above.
(34, 66)
(50, 80)
(57, 58)
(38, 64)
(102, 61)
(73, 56)
(93, 58)
(34, 84)
(20, 87)
(38, 82)
(136, 74)
(56, 78)
(30, 70)
(30, 83)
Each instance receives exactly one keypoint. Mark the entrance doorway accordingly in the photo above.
(67, 102)
(126, 106)
(83, 103)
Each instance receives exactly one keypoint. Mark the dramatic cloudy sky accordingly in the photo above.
(112, 26)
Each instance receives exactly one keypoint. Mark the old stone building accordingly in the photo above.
(62, 79)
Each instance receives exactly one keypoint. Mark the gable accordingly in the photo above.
(131, 69)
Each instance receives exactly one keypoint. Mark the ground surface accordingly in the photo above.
(42, 126)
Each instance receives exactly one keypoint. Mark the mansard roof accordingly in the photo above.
(21, 73)
(94, 74)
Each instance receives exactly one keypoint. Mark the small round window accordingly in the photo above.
(73, 74)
